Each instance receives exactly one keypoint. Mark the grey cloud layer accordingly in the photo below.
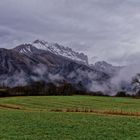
(104, 29)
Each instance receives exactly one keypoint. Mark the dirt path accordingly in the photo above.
(11, 106)
(88, 111)
(105, 112)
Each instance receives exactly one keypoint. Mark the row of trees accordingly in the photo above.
(41, 88)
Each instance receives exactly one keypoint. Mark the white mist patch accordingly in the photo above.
(55, 77)
(40, 71)
(17, 79)
(123, 80)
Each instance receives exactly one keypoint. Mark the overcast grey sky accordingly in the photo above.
(103, 29)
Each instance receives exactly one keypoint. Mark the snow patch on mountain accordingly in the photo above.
(24, 48)
(61, 50)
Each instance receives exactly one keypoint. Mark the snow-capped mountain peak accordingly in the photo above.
(54, 48)
(60, 50)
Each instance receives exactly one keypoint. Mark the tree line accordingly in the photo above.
(41, 88)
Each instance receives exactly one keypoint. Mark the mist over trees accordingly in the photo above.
(41, 88)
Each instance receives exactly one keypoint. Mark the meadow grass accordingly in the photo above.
(74, 102)
(33, 118)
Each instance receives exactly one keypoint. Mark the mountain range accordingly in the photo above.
(52, 62)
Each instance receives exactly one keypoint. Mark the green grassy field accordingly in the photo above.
(69, 118)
